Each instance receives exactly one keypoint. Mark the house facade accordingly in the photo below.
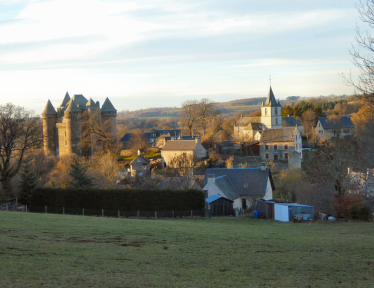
(186, 149)
(242, 185)
(330, 127)
(140, 166)
(277, 144)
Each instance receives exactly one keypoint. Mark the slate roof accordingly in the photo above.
(215, 197)
(108, 106)
(286, 134)
(49, 109)
(66, 99)
(270, 100)
(244, 121)
(178, 145)
(255, 178)
(143, 158)
(72, 106)
(80, 100)
(225, 185)
(336, 123)
(91, 105)
(292, 121)
(172, 132)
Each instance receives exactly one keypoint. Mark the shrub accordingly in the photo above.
(120, 199)
(357, 212)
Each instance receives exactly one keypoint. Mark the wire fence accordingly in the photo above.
(116, 213)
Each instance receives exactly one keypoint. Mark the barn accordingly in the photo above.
(219, 205)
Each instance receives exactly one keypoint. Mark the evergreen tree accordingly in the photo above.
(28, 183)
(81, 179)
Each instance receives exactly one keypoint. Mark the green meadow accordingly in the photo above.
(45, 250)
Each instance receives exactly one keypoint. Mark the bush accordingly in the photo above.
(120, 199)
(356, 212)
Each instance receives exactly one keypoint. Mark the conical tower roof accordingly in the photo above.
(91, 105)
(72, 106)
(270, 100)
(107, 106)
(66, 99)
(49, 109)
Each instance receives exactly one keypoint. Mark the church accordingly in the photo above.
(276, 136)
(65, 131)
(245, 128)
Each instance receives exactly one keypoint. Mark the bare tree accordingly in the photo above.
(20, 133)
(138, 140)
(189, 115)
(309, 120)
(206, 111)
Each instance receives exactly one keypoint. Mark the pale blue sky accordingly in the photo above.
(156, 53)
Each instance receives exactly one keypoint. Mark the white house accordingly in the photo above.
(242, 185)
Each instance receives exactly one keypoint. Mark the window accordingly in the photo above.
(286, 155)
(345, 130)
(275, 146)
(65, 133)
(275, 156)
(285, 146)
(320, 132)
(266, 147)
(66, 142)
(276, 112)
(266, 111)
(267, 155)
(139, 160)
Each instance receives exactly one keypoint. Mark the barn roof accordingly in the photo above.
(250, 182)
(336, 122)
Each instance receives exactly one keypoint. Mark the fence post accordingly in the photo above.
(173, 214)
(83, 211)
(63, 210)
(102, 212)
(26, 208)
(45, 209)
(118, 214)
(191, 214)
(137, 214)
(155, 214)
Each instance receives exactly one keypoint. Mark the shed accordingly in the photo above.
(265, 208)
(220, 205)
(287, 211)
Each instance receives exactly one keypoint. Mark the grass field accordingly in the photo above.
(39, 250)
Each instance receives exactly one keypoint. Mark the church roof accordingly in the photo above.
(49, 109)
(244, 121)
(107, 106)
(91, 105)
(66, 99)
(270, 100)
(72, 106)
(80, 99)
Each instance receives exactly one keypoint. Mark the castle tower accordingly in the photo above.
(73, 131)
(49, 117)
(91, 116)
(108, 116)
(271, 112)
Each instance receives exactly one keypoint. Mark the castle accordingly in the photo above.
(64, 131)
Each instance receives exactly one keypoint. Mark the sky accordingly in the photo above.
(159, 53)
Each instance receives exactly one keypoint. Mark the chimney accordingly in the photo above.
(211, 178)
(98, 104)
(263, 166)
(198, 140)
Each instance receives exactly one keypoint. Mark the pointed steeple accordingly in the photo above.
(107, 106)
(66, 99)
(72, 106)
(91, 105)
(270, 101)
(49, 109)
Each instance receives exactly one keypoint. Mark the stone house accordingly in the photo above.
(242, 185)
(192, 150)
(277, 144)
(329, 127)
(140, 166)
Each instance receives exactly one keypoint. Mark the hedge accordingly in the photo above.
(120, 199)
